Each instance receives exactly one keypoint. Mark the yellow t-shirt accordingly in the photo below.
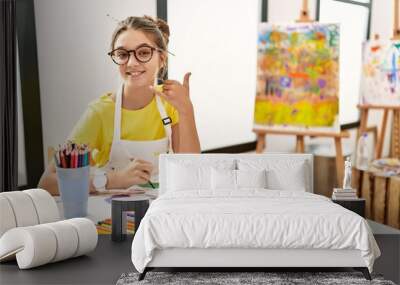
(96, 126)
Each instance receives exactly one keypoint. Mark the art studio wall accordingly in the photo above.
(73, 37)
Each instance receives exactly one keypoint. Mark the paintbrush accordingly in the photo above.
(151, 184)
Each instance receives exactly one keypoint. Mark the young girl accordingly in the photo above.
(129, 129)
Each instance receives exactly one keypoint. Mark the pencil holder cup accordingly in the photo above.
(73, 185)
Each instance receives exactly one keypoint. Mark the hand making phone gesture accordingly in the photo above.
(177, 94)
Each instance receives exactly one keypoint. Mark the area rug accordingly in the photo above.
(230, 278)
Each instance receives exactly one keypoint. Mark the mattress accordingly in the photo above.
(251, 219)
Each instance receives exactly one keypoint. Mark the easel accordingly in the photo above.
(300, 134)
(304, 14)
(395, 143)
(364, 109)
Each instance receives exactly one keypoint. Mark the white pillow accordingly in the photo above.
(294, 180)
(251, 178)
(185, 175)
(223, 179)
(283, 174)
(235, 179)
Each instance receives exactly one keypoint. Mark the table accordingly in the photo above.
(99, 206)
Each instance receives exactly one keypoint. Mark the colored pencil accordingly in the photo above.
(72, 155)
(63, 160)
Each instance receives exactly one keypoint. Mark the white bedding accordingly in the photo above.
(251, 218)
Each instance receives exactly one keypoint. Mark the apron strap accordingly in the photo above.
(117, 113)
(167, 121)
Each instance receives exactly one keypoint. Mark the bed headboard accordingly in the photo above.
(165, 158)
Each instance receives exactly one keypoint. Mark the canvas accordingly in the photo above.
(298, 76)
(380, 83)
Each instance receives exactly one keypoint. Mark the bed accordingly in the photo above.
(247, 210)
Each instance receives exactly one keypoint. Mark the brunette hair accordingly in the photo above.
(156, 28)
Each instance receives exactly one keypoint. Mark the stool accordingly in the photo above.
(138, 204)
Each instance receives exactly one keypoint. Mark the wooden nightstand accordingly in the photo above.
(355, 205)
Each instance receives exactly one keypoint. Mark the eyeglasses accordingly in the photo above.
(142, 54)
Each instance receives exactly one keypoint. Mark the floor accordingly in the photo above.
(102, 266)
(110, 259)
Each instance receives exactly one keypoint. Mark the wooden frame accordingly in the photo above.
(396, 20)
(304, 13)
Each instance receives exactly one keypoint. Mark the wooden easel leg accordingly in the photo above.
(260, 142)
(299, 144)
(363, 122)
(339, 161)
(374, 131)
(381, 137)
(395, 140)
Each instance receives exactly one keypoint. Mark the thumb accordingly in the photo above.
(186, 79)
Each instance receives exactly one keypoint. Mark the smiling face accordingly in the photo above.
(135, 73)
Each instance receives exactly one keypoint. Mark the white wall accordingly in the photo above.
(353, 21)
(287, 11)
(73, 39)
(218, 45)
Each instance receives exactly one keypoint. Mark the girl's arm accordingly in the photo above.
(184, 134)
(136, 172)
(48, 181)
(87, 131)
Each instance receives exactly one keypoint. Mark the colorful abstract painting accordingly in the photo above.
(380, 84)
(298, 76)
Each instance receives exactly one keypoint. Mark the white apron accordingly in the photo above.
(123, 151)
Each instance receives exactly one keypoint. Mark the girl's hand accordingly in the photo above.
(136, 172)
(177, 94)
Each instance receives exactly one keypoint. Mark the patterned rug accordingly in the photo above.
(230, 278)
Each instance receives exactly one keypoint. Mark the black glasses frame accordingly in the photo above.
(134, 54)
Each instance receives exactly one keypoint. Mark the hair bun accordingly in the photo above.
(162, 26)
